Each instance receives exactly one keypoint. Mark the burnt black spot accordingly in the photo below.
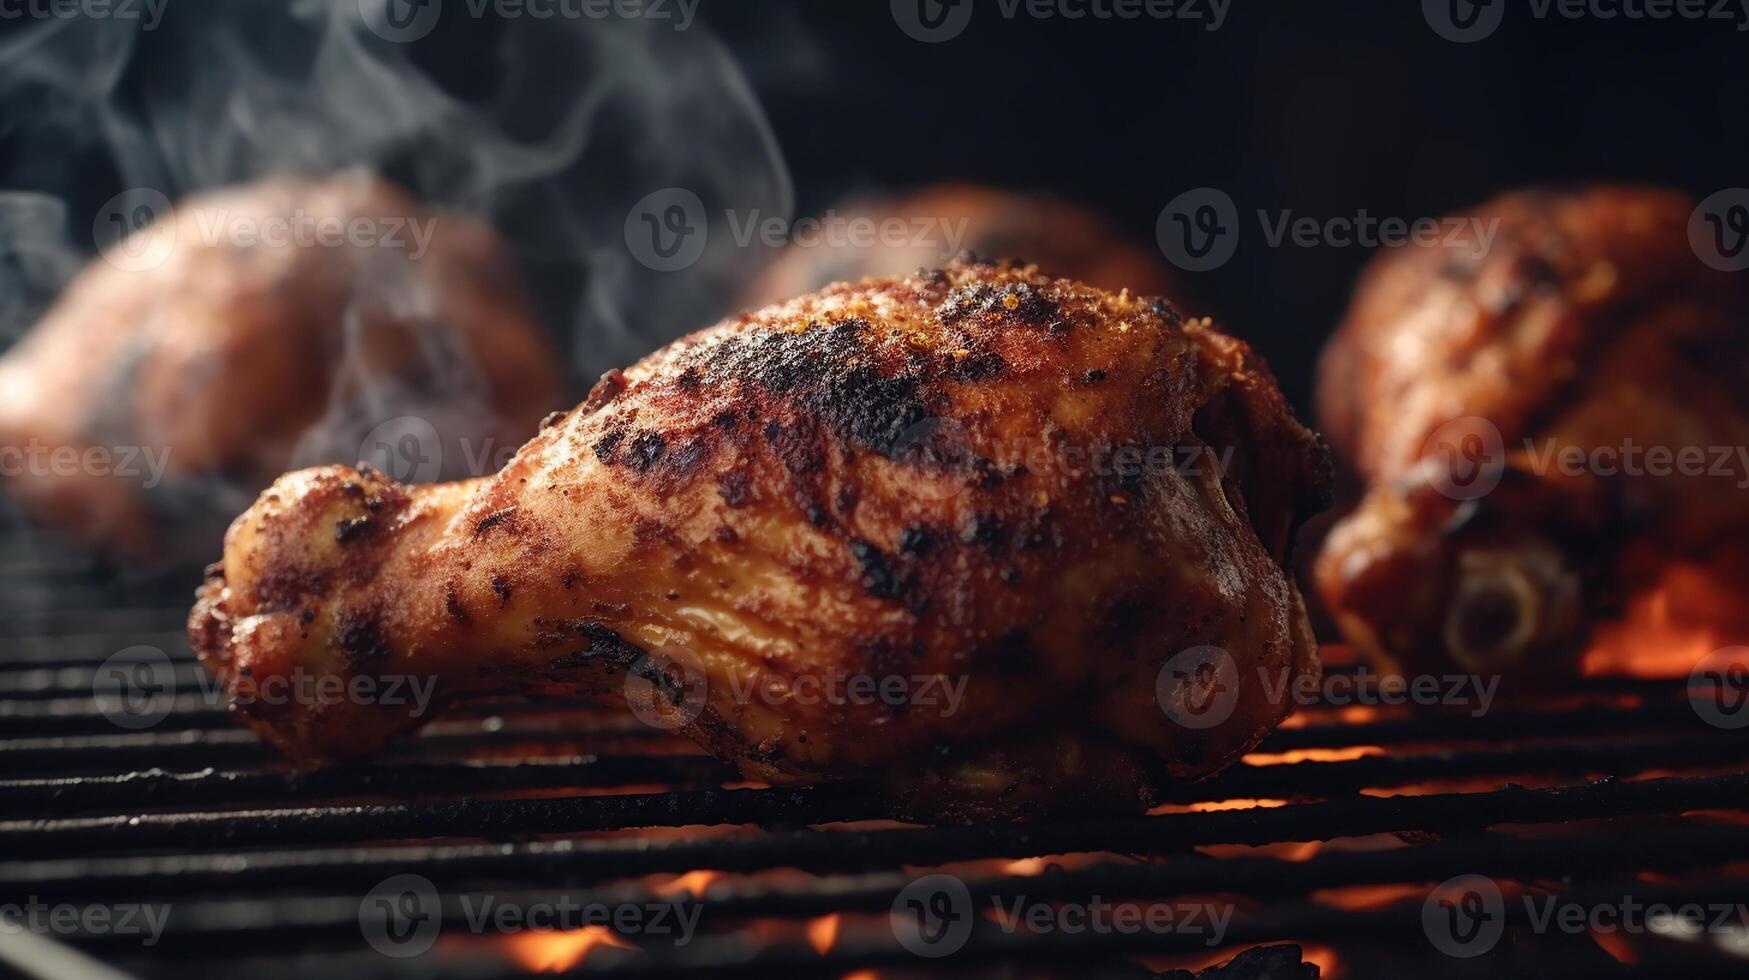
(725, 420)
(846, 500)
(683, 460)
(452, 603)
(817, 515)
(503, 515)
(734, 487)
(825, 372)
(873, 411)
(878, 577)
(796, 447)
(605, 446)
(602, 643)
(1017, 302)
(916, 541)
(502, 587)
(1166, 311)
(360, 638)
(570, 579)
(689, 379)
(976, 367)
(1094, 376)
(351, 528)
(645, 450)
(984, 530)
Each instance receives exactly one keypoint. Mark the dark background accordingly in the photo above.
(1321, 108)
(1324, 108)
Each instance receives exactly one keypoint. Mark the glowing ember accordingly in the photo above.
(1026, 867)
(823, 932)
(556, 952)
(1618, 946)
(1213, 806)
(692, 882)
(1665, 631)
(1345, 754)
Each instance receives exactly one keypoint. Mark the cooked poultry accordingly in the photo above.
(261, 335)
(892, 484)
(1589, 327)
(923, 229)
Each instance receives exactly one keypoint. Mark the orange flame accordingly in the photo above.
(823, 932)
(556, 952)
(1666, 630)
(693, 883)
(1346, 754)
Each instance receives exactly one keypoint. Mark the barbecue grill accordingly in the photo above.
(1332, 840)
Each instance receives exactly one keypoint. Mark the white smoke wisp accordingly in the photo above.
(568, 124)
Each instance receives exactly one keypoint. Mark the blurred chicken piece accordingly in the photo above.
(229, 354)
(1589, 324)
(926, 228)
(897, 481)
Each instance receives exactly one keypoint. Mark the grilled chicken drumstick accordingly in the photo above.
(900, 481)
(254, 327)
(1473, 387)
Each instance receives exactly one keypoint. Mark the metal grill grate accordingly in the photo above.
(1623, 790)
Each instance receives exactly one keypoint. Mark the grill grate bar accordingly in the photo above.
(794, 807)
(212, 788)
(157, 788)
(89, 739)
(1500, 857)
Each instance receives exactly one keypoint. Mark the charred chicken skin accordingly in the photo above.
(906, 232)
(1491, 398)
(245, 333)
(897, 484)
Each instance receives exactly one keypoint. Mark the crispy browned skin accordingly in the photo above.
(1061, 238)
(1589, 322)
(756, 499)
(226, 355)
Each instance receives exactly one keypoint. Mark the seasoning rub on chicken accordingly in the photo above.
(919, 479)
